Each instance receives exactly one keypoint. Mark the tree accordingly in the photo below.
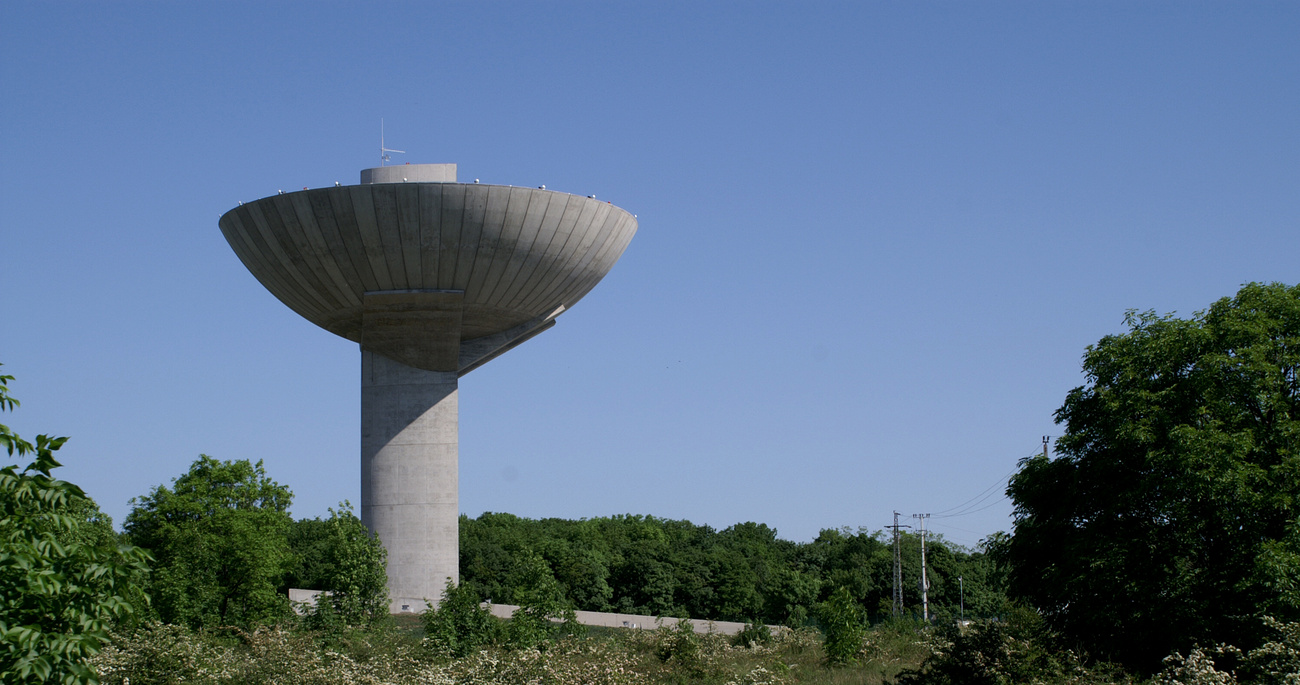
(64, 579)
(1172, 513)
(220, 539)
(540, 599)
(342, 557)
(460, 625)
(844, 624)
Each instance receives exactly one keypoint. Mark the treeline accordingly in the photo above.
(663, 567)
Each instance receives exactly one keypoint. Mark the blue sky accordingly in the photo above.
(875, 238)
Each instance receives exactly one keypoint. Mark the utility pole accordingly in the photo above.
(1045, 438)
(962, 583)
(925, 582)
(898, 567)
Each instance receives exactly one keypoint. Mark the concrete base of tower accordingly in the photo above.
(409, 497)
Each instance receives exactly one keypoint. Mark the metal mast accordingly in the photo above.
(898, 567)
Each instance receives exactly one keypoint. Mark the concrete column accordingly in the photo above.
(409, 439)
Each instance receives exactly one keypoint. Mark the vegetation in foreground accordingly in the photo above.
(170, 654)
(902, 653)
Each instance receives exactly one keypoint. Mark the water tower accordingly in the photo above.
(433, 278)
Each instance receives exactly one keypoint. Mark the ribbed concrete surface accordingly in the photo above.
(517, 253)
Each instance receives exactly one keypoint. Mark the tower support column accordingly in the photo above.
(409, 481)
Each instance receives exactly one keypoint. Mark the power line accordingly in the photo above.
(964, 530)
(965, 507)
(990, 505)
(982, 495)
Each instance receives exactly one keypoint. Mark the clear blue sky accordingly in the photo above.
(875, 238)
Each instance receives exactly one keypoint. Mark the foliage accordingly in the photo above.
(1278, 659)
(540, 600)
(753, 634)
(161, 654)
(459, 625)
(1276, 662)
(168, 654)
(1019, 649)
(1197, 668)
(340, 556)
(219, 537)
(64, 579)
(845, 627)
(679, 645)
(1170, 517)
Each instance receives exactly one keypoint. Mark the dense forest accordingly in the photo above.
(648, 565)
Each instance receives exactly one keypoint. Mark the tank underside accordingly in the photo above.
(513, 257)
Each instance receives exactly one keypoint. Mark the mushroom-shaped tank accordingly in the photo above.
(395, 264)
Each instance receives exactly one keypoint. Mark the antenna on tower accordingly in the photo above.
(383, 151)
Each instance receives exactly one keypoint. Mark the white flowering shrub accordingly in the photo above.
(1278, 660)
(1197, 668)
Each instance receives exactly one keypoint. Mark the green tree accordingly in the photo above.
(219, 535)
(342, 557)
(540, 599)
(1172, 514)
(64, 579)
(460, 625)
(844, 625)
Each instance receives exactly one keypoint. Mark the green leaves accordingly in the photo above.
(845, 626)
(63, 577)
(348, 562)
(220, 539)
(459, 625)
(540, 599)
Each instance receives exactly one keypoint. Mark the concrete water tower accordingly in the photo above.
(433, 278)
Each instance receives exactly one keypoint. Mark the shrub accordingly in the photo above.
(541, 599)
(1019, 649)
(459, 625)
(754, 633)
(844, 625)
(346, 561)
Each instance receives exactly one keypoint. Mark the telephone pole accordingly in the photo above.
(925, 582)
(898, 567)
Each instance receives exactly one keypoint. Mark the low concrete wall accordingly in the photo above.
(604, 620)
(304, 600)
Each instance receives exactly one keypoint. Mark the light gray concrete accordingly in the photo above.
(409, 486)
(410, 173)
(634, 621)
(419, 328)
(433, 278)
(304, 601)
(517, 253)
